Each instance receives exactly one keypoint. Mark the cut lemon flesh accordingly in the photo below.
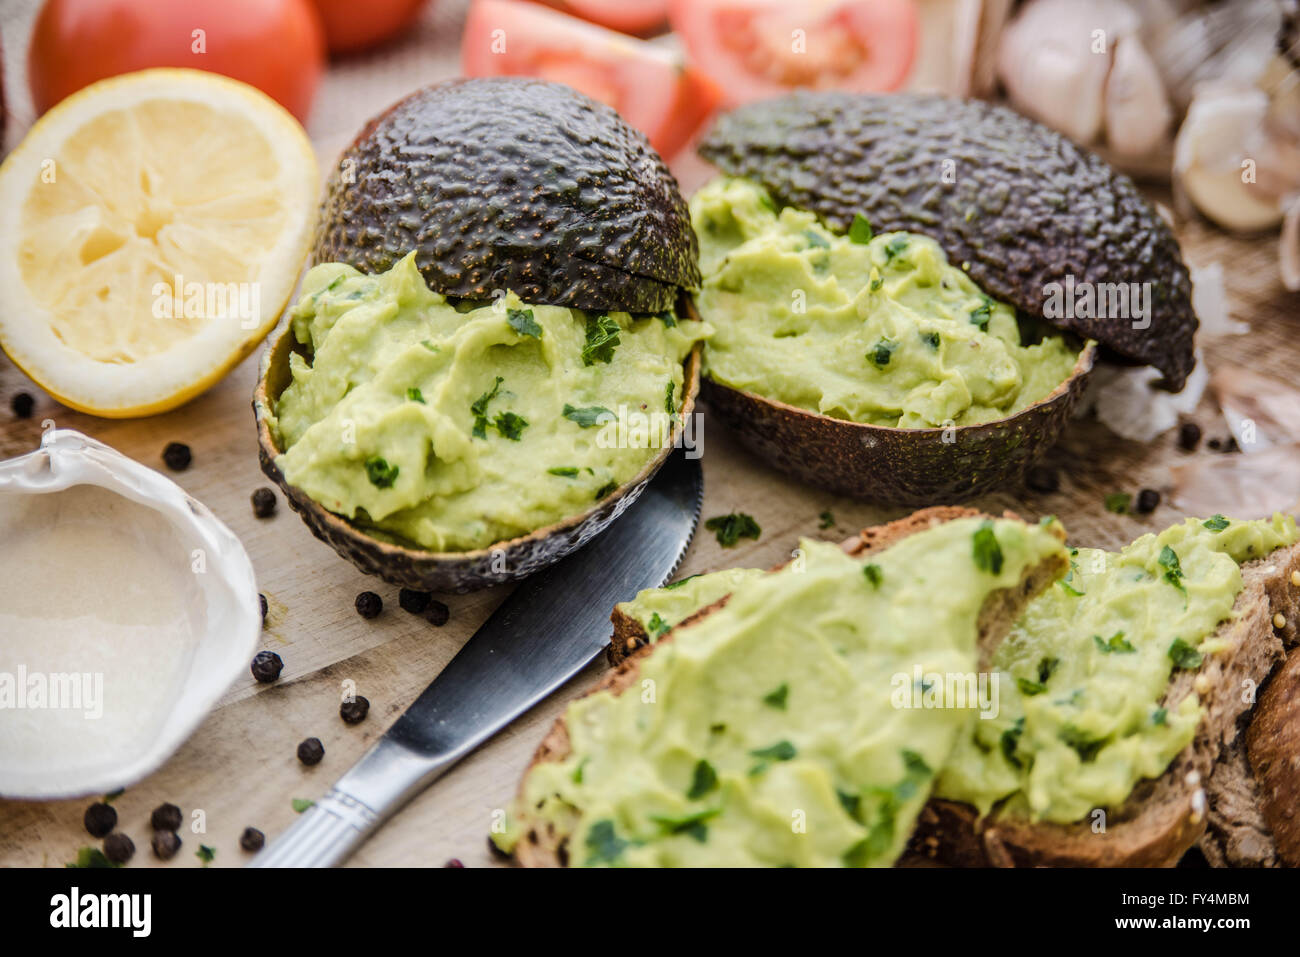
(152, 228)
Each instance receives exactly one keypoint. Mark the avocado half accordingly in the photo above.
(411, 567)
(1014, 203)
(512, 183)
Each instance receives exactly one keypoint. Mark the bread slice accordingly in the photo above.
(541, 846)
(1162, 817)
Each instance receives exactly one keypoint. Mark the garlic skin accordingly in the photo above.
(1216, 158)
(1288, 248)
(1138, 113)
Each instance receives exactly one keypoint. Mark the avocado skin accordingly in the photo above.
(1040, 208)
(510, 183)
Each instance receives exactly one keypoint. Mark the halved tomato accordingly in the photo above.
(626, 16)
(755, 49)
(649, 85)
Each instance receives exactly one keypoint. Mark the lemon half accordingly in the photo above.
(152, 228)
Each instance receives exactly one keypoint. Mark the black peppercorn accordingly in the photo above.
(355, 710)
(266, 666)
(99, 819)
(1214, 444)
(437, 613)
(177, 456)
(165, 844)
(263, 502)
(22, 405)
(1042, 478)
(119, 848)
(414, 601)
(454, 862)
(1189, 436)
(252, 839)
(369, 605)
(261, 600)
(1230, 444)
(166, 817)
(1147, 501)
(311, 751)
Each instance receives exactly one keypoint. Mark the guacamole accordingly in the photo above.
(454, 426)
(1083, 675)
(879, 330)
(659, 609)
(1084, 672)
(764, 733)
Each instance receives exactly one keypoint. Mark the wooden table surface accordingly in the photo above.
(239, 768)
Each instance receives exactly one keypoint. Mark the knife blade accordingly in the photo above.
(538, 638)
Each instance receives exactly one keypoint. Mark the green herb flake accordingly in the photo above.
(703, 780)
(931, 339)
(112, 796)
(415, 395)
(380, 473)
(602, 338)
(778, 697)
(656, 627)
(206, 854)
(1168, 560)
(894, 247)
(568, 471)
(522, 322)
(606, 489)
(91, 857)
(669, 405)
(301, 804)
(1184, 655)
(1046, 668)
(692, 825)
(511, 425)
(850, 802)
(667, 318)
(1083, 743)
(781, 751)
(826, 519)
(479, 409)
(681, 581)
(1160, 717)
(980, 315)
(1030, 688)
(604, 844)
(860, 229)
(1010, 740)
(987, 551)
(1216, 523)
(873, 574)
(730, 529)
(1118, 502)
(881, 352)
(588, 416)
(815, 240)
(1116, 643)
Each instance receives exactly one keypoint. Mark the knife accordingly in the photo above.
(543, 634)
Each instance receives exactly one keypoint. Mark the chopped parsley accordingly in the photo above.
(415, 395)
(667, 318)
(93, 857)
(1115, 643)
(860, 230)
(778, 697)
(1184, 655)
(1046, 668)
(1010, 740)
(602, 337)
(781, 751)
(568, 471)
(656, 626)
(301, 804)
(587, 416)
(815, 240)
(979, 316)
(605, 489)
(1168, 560)
(681, 581)
(1216, 523)
(873, 573)
(1160, 716)
(1084, 744)
(732, 528)
(931, 339)
(894, 247)
(206, 854)
(987, 551)
(1030, 688)
(1118, 502)
(669, 406)
(881, 352)
(479, 408)
(827, 519)
(522, 322)
(1065, 582)
(692, 825)
(703, 780)
(603, 843)
(380, 473)
(510, 425)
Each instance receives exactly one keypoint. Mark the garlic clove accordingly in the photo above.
(1289, 248)
(1137, 110)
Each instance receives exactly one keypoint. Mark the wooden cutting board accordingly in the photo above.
(240, 768)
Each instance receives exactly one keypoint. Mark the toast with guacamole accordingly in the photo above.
(1119, 686)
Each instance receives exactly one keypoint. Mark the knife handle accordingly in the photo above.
(386, 777)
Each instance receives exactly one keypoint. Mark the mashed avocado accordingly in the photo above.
(452, 428)
(1082, 715)
(1085, 671)
(881, 331)
(659, 609)
(764, 734)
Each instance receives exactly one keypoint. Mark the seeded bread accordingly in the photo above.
(541, 846)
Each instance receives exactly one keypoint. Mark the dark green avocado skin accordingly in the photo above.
(1025, 207)
(509, 183)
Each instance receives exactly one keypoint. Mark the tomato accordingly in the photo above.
(755, 49)
(274, 45)
(647, 84)
(352, 25)
(627, 16)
